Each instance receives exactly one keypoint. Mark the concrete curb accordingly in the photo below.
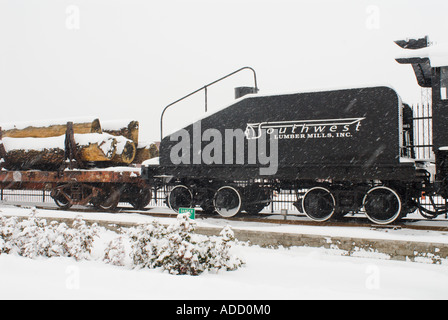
(385, 249)
(436, 253)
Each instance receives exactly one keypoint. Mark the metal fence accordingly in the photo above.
(422, 132)
(281, 200)
(29, 196)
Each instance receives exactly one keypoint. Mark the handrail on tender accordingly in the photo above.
(205, 89)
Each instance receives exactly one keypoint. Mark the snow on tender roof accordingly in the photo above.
(437, 54)
(357, 86)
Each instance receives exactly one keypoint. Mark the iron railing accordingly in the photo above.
(205, 89)
(422, 125)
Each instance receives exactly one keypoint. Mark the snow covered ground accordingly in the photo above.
(294, 273)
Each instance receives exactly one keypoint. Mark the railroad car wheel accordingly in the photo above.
(319, 204)
(180, 197)
(141, 198)
(382, 205)
(256, 199)
(60, 200)
(107, 201)
(227, 201)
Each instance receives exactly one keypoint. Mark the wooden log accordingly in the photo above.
(94, 153)
(53, 130)
(127, 129)
(53, 159)
(49, 153)
(126, 154)
(153, 151)
(142, 154)
(146, 152)
(96, 147)
(47, 159)
(34, 153)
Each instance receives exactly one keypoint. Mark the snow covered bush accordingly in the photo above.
(6, 231)
(175, 248)
(115, 252)
(144, 241)
(33, 238)
(79, 239)
(223, 259)
(178, 250)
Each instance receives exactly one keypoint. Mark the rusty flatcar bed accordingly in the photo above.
(103, 188)
(39, 179)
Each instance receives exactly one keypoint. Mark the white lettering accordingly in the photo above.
(335, 128)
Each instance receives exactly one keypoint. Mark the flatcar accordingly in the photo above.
(66, 176)
(352, 150)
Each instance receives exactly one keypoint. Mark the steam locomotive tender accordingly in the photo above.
(350, 150)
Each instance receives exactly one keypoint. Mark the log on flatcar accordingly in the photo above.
(64, 164)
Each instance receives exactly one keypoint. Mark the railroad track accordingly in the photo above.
(272, 218)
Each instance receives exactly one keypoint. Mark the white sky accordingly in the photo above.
(130, 58)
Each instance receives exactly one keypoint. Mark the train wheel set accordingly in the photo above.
(381, 204)
(102, 189)
(227, 200)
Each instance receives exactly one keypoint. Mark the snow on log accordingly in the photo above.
(50, 130)
(34, 153)
(96, 147)
(42, 146)
(126, 128)
(126, 151)
(48, 159)
(49, 153)
(126, 132)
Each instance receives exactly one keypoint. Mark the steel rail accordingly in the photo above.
(343, 222)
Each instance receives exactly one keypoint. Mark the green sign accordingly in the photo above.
(191, 211)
